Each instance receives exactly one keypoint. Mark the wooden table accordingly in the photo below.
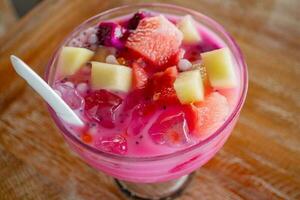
(261, 160)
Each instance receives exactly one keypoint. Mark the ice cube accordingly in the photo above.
(170, 129)
(117, 144)
(70, 95)
(82, 88)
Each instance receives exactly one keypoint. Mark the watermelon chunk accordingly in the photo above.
(205, 117)
(161, 86)
(156, 39)
(139, 75)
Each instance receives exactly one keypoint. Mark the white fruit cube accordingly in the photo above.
(220, 68)
(72, 58)
(188, 27)
(189, 87)
(111, 76)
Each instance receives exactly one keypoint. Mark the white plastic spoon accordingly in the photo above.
(48, 94)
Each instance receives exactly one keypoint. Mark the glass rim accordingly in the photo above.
(240, 62)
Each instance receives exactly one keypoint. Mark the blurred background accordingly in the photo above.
(12, 10)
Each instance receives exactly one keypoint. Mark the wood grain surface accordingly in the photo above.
(261, 159)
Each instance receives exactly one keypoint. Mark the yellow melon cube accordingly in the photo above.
(189, 87)
(72, 58)
(220, 68)
(188, 27)
(111, 76)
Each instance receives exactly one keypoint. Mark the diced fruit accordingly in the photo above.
(171, 73)
(117, 144)
(220, 68)
(110, 34)
(72, 58)
(231, 95)
(101, 106)
(192, 51)
(99, 97)
(170, 128)
(109, 76)
(156, 39)
(189, 87)
(190, 33)
(161, 85)
(209, 114)
(139, 76)
(135, 20)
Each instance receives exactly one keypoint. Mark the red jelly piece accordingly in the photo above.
(101, 106)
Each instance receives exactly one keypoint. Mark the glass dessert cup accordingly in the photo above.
(162, 176)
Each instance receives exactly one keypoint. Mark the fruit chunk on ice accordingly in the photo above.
(205, 117)
(156, 39)
(189, 87)
(72, 58)
(190, 33)
(220, 68)
(111, 76)
(170, 128)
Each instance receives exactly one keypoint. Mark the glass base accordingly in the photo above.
(154, 191)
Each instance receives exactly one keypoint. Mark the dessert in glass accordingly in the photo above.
(159, 89)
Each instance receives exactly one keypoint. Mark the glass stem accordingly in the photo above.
(154, 191)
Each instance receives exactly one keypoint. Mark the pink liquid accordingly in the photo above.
(130, 135)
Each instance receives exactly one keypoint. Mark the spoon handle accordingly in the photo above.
(46, 92)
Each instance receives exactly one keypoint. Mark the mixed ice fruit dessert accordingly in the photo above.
(147, 84)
